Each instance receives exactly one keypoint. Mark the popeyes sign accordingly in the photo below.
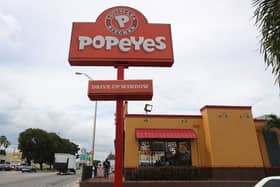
(121, 35)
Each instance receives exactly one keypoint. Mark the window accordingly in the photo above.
(164, 153)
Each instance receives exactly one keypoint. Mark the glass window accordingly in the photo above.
(164, 153)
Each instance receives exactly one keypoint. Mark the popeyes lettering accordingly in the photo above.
(125, 44)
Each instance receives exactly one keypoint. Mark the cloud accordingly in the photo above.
(216, 62)
(56, 101)
(9, 33)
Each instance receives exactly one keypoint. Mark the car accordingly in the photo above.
(2, 167)
(273, 181)
(5, 167)
(28, 169)
(19, 167)
(8, 167)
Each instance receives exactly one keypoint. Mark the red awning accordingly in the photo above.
(165, 134)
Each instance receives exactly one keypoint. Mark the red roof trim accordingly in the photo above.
(225, 107)
(161, 116)
(144, 133)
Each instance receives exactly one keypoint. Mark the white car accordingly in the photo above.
(273, 181)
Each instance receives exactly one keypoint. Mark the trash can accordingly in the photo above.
(86, 172)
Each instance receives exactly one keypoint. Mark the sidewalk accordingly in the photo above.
(102, 179)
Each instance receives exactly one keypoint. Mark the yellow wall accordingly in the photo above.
(131, 143)
(226, 137)
(14, 157)
(259, 128)
(208, 155)
(231, 137)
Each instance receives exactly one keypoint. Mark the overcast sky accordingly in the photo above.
(217, 62)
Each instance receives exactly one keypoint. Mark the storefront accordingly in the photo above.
(222, 136)
(164, 147)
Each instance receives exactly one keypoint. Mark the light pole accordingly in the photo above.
(94, 118)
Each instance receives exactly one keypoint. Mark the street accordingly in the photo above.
(39, 179)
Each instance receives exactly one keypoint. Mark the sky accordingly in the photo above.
(216, 62)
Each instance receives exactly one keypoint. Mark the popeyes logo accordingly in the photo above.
(121, 21)
(121, 34)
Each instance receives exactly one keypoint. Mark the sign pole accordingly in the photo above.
(119, 134)
(120, 37)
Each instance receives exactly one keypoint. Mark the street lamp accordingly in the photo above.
(94, 118)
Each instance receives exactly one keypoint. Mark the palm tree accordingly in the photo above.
(272, 121)
(4, 142)
(267, 16)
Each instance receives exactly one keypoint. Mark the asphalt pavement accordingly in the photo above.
(39, 179)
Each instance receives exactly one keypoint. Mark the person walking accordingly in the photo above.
(106, 167)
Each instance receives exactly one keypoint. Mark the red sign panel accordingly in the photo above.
(121, 35)
(125, 89)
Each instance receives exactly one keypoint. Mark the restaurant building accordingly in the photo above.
(222, 136)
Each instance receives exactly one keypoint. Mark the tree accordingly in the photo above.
(40, 146)
(267, 14)
(273, 121)
(55, 145)
(69, 147)
(35, 145)
(60, 145)
(4, 142)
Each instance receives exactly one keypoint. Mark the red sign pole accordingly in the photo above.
(121, 34)
(119, 134)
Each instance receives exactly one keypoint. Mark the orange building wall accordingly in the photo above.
(226, 136)
(259, 128)
(208, 156)
(231, 137)
(177, 122)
